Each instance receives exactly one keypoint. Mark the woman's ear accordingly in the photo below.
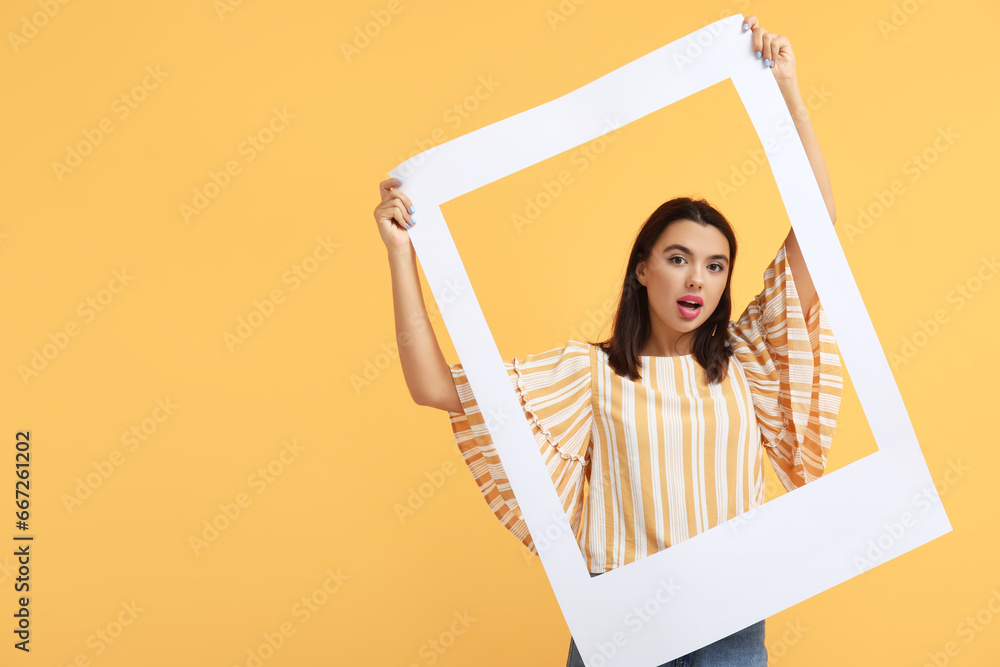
(640, 273)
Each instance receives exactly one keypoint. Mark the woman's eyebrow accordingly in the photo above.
(678, 246)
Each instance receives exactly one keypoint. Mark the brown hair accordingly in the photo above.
(631, 322)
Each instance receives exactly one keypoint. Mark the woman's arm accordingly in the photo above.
(776, 51)
(425, 370)
(800, 114)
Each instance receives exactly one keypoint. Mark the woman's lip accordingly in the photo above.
(689, 314)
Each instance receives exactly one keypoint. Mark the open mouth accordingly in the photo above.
(689, 309)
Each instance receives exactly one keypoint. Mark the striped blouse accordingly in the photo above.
(668, 456)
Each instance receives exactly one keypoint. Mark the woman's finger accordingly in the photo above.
(386, 186)
(780, 46)
(401, 216)
(751, 23)
(766, 51)
(396, 211)
(404, 204)
(391, 192)
(407, 204)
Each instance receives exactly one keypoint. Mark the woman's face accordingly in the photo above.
(689, 262)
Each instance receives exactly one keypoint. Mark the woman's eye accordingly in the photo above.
(717, 265)
(676, 257)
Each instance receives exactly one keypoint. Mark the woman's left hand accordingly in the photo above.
(775, 51)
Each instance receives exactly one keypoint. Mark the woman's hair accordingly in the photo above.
(631, 323)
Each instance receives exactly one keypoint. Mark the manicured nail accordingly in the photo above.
(745, 26)
(758, 54)
(400, 180)
(766, 62)
(411, 209)
(772, 63)
(413, 220)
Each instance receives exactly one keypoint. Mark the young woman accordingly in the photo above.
(657, 433)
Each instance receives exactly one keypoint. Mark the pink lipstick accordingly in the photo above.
(690, 306)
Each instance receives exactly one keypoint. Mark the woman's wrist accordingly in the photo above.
(793, 98)
(400, 254)
(789, 89)
(788, 82)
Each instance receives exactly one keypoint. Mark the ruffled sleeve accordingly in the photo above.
(554, 390)
(792, 363)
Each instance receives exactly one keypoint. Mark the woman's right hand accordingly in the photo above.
(393, 215)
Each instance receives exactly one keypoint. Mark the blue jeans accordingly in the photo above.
(744, 648)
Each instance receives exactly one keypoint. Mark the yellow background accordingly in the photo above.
(882, 79)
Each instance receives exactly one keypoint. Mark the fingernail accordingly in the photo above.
(413, 220)
(400, 180)
(766, 62)
(745, 26)
(758, 54)
(411, 209)
(772, 63)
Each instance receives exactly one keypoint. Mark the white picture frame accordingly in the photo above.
(794, 546)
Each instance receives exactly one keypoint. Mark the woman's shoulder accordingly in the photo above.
(563, 373)
(570, 353)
